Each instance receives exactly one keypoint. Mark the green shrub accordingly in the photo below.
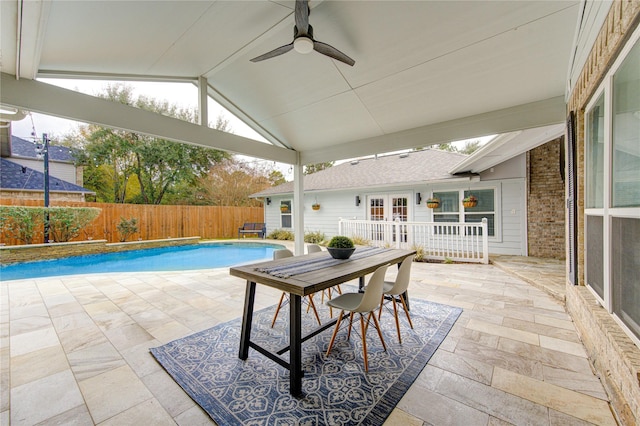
(340, 241)
(127, 227)
(22, 223)
(66, 223)
(281, 234)
(314, 237)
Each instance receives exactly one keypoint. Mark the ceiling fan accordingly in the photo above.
(303, 41)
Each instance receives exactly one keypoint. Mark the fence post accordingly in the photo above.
(485, 241)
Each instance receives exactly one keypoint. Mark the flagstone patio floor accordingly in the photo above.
(75, 349)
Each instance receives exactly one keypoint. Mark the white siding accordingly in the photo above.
(510, 210)
(63, 171)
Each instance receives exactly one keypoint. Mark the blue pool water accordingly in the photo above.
(199, 256)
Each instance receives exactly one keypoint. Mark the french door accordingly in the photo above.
(387, 209)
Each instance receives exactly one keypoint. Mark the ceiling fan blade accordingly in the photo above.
(332, 52)
(302, 17)
(275, 52)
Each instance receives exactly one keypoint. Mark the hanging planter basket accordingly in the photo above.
(284, 208)
(470, 201)
(315, 206)
(433, 203)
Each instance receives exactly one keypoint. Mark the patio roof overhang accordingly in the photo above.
(426, 72)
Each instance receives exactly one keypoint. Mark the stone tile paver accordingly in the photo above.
(513, 357)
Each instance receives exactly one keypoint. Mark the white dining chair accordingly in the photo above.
(363, 304)
(395, 291)
(315, 248)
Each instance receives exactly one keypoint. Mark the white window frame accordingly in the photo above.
(497, 208)
(608, 212)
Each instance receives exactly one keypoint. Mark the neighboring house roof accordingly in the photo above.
(506, 146)
(27, 149)
(428, 165)
(14, 176)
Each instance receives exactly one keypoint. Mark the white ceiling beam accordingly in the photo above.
(527, 116)
(31, 26)
(47, 99)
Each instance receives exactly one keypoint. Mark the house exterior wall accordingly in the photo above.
(63, 171)
(613, 354)
(545, 202)
(509, 204)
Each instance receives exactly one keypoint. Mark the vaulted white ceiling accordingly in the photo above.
(425, 71)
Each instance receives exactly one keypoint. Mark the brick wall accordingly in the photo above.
(613, 355)
(545, 202)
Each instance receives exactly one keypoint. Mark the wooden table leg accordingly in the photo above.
(295, 340)
(247, 318)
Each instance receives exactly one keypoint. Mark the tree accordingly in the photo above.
(314, 168)
(230, 182)
(112, 157)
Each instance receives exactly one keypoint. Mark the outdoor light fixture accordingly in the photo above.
(357, 200)
(268, 201)
(418, 198)
(303, 45)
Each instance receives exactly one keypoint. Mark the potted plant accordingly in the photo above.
(433, 202)
(341, 247)
(470, 201)
(284, 208)
(315, 206)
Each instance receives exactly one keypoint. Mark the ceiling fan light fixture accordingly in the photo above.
(303, 45)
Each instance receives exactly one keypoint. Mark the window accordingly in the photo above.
(594, 136)
(612, 190)
(452, 210)
(285, 214)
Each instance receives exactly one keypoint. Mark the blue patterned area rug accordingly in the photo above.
(337, 391)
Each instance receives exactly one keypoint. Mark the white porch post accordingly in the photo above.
(203, 105)
(298, 207)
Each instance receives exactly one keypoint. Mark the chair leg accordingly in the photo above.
(350, 323)
(406, 311)
(315, 311)
(381, 306)
(364, 343)
(278, 309)
(377, 324)
(395, 314)
(335, 332)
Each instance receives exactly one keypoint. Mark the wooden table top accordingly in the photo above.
(311, 282)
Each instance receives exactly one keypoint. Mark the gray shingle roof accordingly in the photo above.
(24, 148)
(417, 167)
(17, 177)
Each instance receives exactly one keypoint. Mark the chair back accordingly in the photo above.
(403, 277)
(373, 291)
(313, 248)
(281, 254)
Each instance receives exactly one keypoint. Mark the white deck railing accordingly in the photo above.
(462, 242)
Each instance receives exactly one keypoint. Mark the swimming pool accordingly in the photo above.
(182, 258)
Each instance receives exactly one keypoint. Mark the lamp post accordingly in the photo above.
(43, 152)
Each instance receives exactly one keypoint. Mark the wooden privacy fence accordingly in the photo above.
(154, 221)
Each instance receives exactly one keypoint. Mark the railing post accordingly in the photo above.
(397, 230)
(485, 241)
(340, 226)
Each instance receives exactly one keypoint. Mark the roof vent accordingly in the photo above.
(354, 162)
(404, 155)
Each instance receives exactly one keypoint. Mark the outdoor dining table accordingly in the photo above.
(302, 276)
